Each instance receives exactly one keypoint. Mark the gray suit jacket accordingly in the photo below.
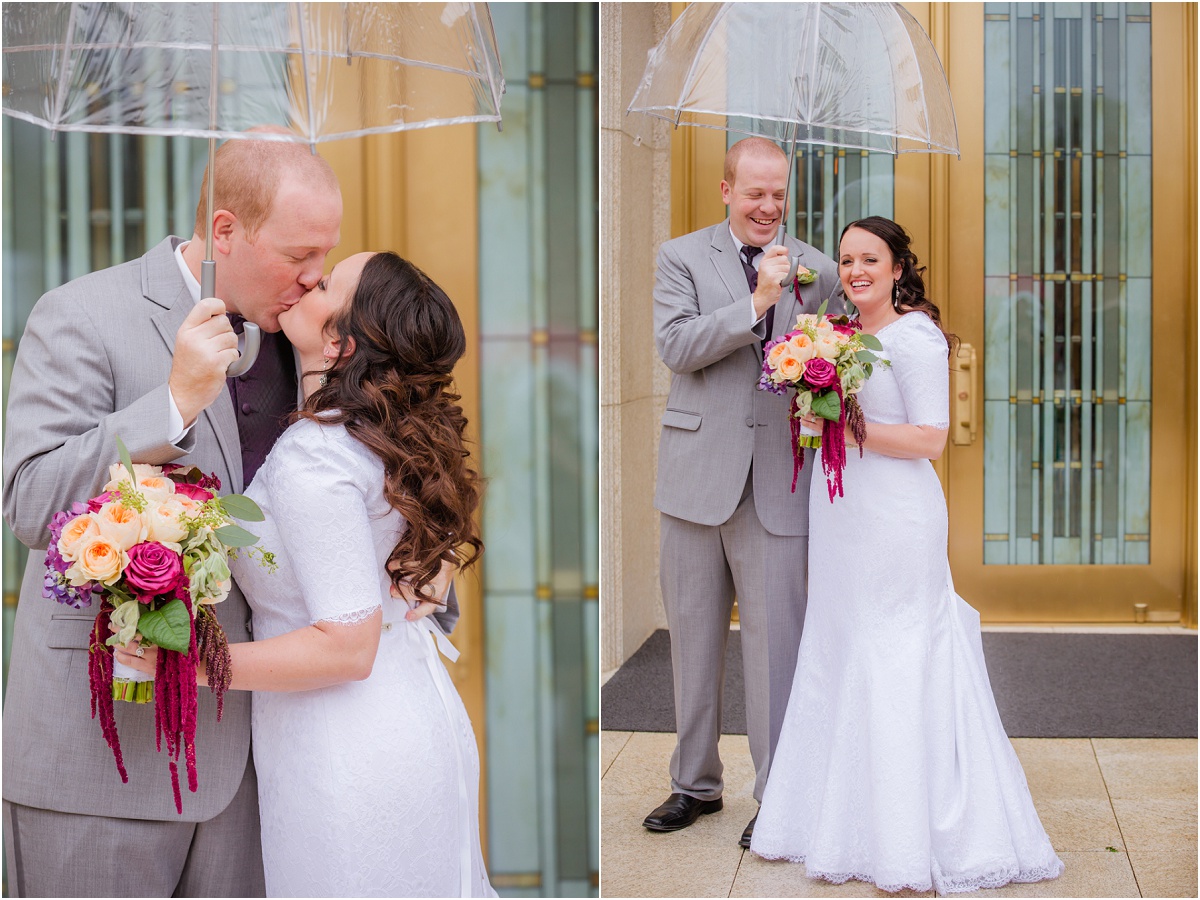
(93, 364)
(717, 421)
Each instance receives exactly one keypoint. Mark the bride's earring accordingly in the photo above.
(325, 373)
(896, 294)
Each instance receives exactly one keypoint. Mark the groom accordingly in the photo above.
(133, 351)
(730, 525)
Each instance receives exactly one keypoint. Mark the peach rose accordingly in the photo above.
(790, 367)
(74, 533)
(121, 524)
(802, 347)
(774, 354)
(100, 559)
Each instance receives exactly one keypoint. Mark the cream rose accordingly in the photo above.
(806, 319)
(162, 522)
(75, 533)
(121, 524)
(100, 559)
(826, 345)
(156, 487)
(118, 473)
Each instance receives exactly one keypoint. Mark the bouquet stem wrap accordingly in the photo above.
(130, 685)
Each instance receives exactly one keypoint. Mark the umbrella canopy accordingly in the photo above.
(326, 71)
(861, 75)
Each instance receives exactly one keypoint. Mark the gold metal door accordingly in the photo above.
(1096, 517)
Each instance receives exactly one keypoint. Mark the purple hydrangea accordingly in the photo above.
(55, 585)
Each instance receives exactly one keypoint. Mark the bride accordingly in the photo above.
(368, 772)
(893, 766)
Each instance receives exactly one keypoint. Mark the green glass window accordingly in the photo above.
(1067, 283)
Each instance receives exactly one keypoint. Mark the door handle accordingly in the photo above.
(964, 401)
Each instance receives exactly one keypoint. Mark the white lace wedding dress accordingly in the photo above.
(368, 788)
(893, 766)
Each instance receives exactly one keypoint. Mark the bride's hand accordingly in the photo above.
(428, 600)
(134, 655)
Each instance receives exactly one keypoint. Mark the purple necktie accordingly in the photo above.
(262, 398)
(748, 253)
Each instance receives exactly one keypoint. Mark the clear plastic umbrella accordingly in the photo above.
(324, 71)
(859, 75)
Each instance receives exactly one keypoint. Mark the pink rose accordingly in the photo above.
(95, 503)
(153, 569)
(820, 373)
(193, 491)
(850, 328)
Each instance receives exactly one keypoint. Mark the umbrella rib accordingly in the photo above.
(895, 100)
(812, 72)
(487, 61)
(684, 88)
(61, 99)
(308, 107)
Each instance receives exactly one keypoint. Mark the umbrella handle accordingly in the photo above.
(791, 275)
(248, 343)
(251, 337)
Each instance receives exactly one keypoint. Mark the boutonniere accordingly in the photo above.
(803, 276)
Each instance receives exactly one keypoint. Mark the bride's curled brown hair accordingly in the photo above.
(392, 388)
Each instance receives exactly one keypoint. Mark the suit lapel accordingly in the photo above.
(728, 264)
(163, 286)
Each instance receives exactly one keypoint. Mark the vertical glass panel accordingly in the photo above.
(538, 321)
(1068, 283)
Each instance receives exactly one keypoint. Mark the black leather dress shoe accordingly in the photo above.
(680, 811)
(744, 840)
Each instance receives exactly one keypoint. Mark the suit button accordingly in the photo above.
(749, 422)
(246, 408)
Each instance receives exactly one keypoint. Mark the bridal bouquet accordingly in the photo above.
(154, 548)
(826, 361)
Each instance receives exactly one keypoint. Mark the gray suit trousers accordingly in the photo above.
(702, 568)
(54, 854)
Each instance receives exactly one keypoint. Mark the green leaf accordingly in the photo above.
(870, 341)
(827, 406)
(866, 356)
(239, 506)
(169, 627)
(123, 452)
(234, 536)
(824, 306)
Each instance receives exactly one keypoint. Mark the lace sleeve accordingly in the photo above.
(322, 519)
(922, 369)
